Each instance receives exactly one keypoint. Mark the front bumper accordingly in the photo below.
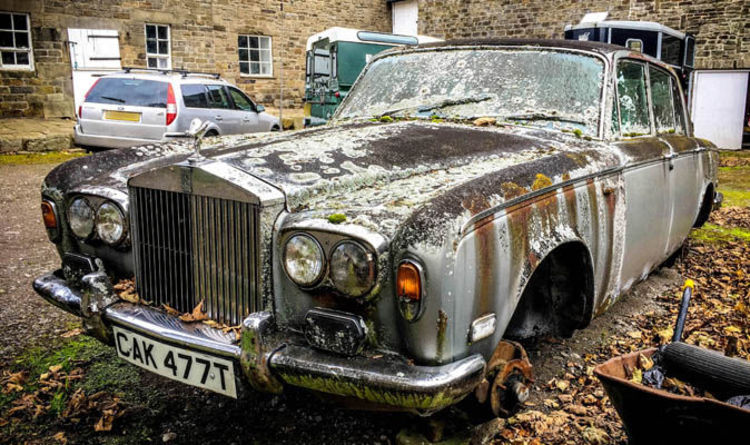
(270, 358)
(718, 200)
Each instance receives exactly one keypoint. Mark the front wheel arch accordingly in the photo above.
(558, 298)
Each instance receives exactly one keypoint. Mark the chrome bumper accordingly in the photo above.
(270, 358)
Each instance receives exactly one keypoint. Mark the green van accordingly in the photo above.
(335, 57)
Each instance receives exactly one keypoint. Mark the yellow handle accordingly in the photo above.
(688, 283)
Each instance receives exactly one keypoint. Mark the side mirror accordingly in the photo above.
(260, 108)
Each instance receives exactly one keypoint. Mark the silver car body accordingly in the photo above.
(100, 124)
(516, 229)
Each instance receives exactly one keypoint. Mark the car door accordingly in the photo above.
(684, 181)
(246, 112)
(220, 108)
(645, 174)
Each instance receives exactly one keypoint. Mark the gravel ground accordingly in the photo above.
(160, 410)
(25, 253)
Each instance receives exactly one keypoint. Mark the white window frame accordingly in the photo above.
(248, 48)
(157, 54)
(29, 50)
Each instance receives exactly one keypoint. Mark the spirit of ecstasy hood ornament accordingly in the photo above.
(197, 130)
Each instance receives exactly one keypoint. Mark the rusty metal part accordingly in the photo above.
(508, 379)
(256, 350)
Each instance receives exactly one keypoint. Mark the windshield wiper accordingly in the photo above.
(437, 105)
(115, 99)
(543, 117)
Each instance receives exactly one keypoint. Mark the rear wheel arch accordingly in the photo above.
(558, 298)
(706, 206)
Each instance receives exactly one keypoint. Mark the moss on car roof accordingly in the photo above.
(600, 47)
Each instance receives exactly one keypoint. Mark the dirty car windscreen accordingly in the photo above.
(536, 87)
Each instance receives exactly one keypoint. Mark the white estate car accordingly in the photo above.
(139, 106)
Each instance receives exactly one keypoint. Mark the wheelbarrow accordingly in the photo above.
(656, 416)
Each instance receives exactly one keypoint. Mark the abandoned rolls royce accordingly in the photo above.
(466, 195)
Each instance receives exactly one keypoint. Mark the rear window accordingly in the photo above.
(135, 92)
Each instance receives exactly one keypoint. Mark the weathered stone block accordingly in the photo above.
(8, 145)
(48, 144)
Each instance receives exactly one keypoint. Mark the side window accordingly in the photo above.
(240, 100)
(679, 109)
(661, 100)
(194, 96)
(217, 96)
(631, 91)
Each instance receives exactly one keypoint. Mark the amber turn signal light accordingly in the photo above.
(408, 282)
(48, 215)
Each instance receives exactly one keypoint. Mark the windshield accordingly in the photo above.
(544, 88)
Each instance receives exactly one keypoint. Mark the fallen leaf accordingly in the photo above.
(72, 333)
(60, 437)
(105, 422)
(562, 385)
(484, 121)
(637, 376)
(196, 315)
(170, 310)
(665, 335)
(635, 334)
(578, 410)
(595, 436)
(645, 363)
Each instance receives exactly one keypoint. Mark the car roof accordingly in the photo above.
(606, 50)
(603, 48)
(168, 77)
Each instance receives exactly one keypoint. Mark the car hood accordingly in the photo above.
(383, 172)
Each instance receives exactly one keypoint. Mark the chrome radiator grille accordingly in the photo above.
(191, 248)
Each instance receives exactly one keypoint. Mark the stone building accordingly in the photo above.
(47, 45)
(37, 75)
(721, 27)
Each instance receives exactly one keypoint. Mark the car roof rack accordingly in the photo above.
(181, 72)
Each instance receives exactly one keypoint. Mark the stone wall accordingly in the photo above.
(203, 38)
(721, 27)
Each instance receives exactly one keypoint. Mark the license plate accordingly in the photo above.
(190, 367)
(122, 116)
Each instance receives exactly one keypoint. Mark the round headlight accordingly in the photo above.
(81, 218)
(110, 223)
(303, 260)
(352, 269)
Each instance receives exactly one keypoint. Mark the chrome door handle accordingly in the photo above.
(670, 158)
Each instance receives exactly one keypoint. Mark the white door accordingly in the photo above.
(717, 106)
(93, 52)
(405, 15)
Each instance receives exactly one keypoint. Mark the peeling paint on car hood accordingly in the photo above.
(385, 172)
